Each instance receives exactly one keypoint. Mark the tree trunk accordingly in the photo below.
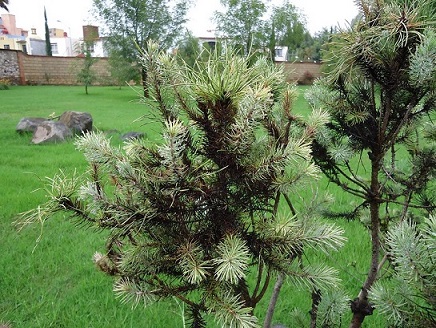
(360, 305)
(273, 301)
(316, 299)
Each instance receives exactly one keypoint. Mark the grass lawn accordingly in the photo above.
(53, 282)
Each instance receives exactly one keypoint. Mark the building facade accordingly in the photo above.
(12, 37)
(62, 44)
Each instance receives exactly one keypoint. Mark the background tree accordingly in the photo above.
(380, 144)
(47, 36)
(243, 23)
(132, 23)
(86, 74)
(289, 26)
(188, 49)
(254, 26)
(320, 43)
(205, 215)
(122, 69)
(4, 4)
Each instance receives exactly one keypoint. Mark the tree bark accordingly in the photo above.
(316, 299)
(360, 305)
(273, 301)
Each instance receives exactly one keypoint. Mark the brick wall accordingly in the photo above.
(302, 72)
(24, 69)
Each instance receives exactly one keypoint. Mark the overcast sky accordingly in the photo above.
(72, 15)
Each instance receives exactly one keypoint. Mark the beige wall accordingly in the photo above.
(50, 70)
(4, 40)
(301, 71)
(61, 70)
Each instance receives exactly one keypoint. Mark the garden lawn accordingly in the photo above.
(51, 281)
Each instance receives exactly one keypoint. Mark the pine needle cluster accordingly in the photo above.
(408, 298)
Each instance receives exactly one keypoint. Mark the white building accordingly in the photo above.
(63, 45)
(281, 54)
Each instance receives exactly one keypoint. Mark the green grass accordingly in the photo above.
(53, 282)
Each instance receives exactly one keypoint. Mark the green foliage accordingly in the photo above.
(243, 23)
(195, 215)
(122, 69)
(85, 74)
(131, 24)
(189, 49)
(289, 27)
(255, 26)
(334, 304)
(230, 311)
(47, 36)
(232, 261)
(4, 84)
(407, 299)
(380, 89)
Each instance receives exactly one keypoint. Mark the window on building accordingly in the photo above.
(24, 48)
(279, 52)
(54, 48)
(7, 46)
(33, 31)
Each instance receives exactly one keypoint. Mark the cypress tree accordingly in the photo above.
(47, 36)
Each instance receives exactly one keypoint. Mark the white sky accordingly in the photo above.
(72, 15)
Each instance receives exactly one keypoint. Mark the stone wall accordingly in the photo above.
(23, 69)
(9, 68)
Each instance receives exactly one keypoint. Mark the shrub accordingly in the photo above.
(4, 84)
(306, 79)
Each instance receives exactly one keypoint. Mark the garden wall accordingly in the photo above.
(301, 72)
(9, 67)
(20, 68)
(24, 69)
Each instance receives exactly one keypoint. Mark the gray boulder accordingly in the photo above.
(132, 135)
(78, 122)
(29, 124)
(50, 131)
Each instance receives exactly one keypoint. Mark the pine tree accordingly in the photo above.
(200, 210)
(380, 144)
